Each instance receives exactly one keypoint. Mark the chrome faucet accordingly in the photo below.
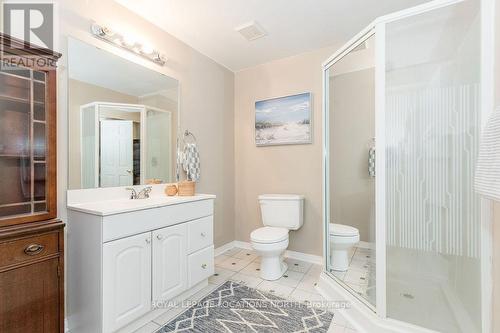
(142, 194)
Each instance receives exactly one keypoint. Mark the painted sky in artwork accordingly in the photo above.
(284, 109)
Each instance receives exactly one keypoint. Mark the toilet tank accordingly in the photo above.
(282, 210)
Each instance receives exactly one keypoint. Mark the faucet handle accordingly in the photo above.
(133, 194)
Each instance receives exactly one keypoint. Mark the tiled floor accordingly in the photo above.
(243, 266)
(360, 276)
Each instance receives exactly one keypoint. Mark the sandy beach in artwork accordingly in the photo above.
(286, 133)
(284, 120)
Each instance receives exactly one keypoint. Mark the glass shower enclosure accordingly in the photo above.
(402, 116)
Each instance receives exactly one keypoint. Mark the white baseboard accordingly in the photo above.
(289, 254)
(223, 248)
(243, 245)
(366, 245)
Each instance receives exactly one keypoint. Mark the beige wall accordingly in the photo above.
(206, 99)
(279, 169)
(83, 93)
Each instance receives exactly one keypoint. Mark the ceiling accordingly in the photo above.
(90, 64)
(293, 26)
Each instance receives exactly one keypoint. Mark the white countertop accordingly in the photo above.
(118, 206)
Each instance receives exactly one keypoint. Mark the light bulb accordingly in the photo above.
(129, 40)
(147, 49)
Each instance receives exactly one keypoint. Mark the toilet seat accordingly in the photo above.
(341, 230)
(269, 235)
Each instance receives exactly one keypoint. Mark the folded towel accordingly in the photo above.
(371, 162)
(191, 161)
(487, 180)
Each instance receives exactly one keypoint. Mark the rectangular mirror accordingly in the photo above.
(123, 121)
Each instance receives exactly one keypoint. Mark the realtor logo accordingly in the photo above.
(30, 22)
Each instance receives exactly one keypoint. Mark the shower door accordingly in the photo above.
(427, 222)
(428, 130)
(350, 255)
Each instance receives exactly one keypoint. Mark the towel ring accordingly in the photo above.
(188, 134)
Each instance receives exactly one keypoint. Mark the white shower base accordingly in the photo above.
(433, 302)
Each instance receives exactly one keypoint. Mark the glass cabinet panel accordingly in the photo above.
(23, 142)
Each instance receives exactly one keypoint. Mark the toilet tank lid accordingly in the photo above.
(281, 197)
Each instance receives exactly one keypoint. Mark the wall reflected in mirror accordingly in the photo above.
(351, 228)
(123, 120)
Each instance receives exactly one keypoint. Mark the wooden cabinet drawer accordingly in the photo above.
(200, 265)
(200, 233)
(24, 249)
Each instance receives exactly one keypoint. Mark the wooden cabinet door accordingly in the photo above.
(126, 280)
(27, 145)
(29, 298)
(169, 262)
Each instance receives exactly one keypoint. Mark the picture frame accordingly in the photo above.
(284, 120)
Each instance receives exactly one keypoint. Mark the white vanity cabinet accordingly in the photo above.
(120, 264)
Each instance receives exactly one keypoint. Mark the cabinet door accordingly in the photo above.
(29, 298)
(126, 280)
(27, 146)
(169, 262)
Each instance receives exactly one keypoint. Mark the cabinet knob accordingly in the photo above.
(203, 234)
(148, 241)
(159, 237)
(204, 266)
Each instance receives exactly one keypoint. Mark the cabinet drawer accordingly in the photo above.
(200, 234)
(200, 265)
(133, 223)
(29, 248)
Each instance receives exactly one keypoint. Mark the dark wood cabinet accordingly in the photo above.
(27, 135)
(32, 277)
(31, 239)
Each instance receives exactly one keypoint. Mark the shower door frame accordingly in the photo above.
(377, 29)
(357, 40)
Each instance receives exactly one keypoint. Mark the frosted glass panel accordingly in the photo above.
(158, 149)
(432, 121)
(89, 146)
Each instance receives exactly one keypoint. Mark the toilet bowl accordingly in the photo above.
(342, 239)
(270, 243)
(280, 213)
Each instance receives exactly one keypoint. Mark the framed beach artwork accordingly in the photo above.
(283, 120)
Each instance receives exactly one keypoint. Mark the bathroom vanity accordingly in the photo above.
(126, 255)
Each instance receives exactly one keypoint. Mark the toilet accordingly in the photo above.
(342, 239)
(280, 213)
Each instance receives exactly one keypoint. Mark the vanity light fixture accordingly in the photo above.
(128, 43)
